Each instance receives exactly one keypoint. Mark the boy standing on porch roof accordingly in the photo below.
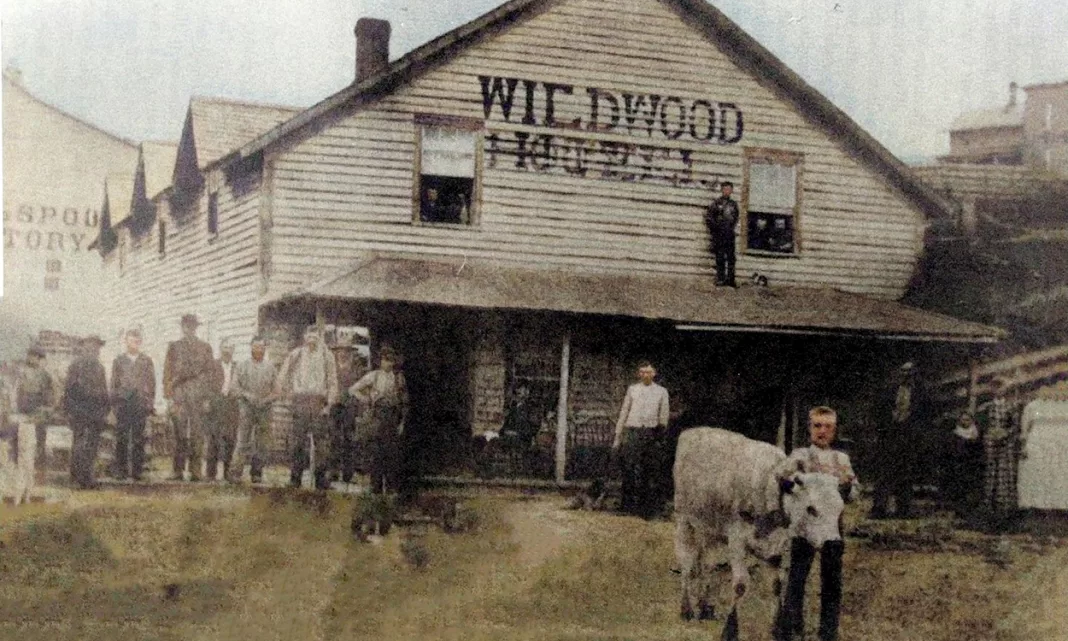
(641, 426)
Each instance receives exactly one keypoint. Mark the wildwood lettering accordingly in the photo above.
(648, 116)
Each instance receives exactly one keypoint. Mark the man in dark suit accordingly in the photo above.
(133, 393)
(188, 373)
(86, 402)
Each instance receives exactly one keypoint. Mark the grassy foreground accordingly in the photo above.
(213, 563)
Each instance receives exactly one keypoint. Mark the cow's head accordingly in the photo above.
(813, 507)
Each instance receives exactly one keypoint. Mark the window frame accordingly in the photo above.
(213, 213)
(766, 156)
(471, 125)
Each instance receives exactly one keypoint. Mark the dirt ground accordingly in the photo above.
(212, 562)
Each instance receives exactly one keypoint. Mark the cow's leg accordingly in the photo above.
(738, 533)
(687, 554)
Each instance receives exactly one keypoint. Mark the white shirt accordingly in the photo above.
(644, 406)
(228, 369)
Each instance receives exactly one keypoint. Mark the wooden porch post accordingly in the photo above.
(561, 409)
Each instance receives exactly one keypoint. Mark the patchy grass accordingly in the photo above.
(211, 563)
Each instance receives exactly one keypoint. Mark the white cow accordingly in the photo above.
(17, 478)
(729, 487)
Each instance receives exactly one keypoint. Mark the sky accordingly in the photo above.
(904, 69)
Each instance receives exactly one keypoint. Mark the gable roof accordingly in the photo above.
(215, 127)
(157, 164)
(118, 197)
(703, 17)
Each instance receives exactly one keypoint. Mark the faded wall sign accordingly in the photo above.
(606, 134)
(32, 227)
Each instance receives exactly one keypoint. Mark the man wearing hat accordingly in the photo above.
(188, 373)
(308, 380)
(133, 394)
(86, 402)
(34, 397)
(896, 465)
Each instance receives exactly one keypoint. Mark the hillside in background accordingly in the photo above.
(1011, 272)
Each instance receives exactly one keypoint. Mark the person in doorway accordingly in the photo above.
(223, 414)
(897, 464)
(385, 395)
(254, 384)
(722, 221)
(641, 427)
(188, 375)
(86, 402)
(820, 458)
(34, 397)
(308, 381)
(133, 395)
(349, 370)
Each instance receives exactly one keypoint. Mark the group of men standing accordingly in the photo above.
(220, 410)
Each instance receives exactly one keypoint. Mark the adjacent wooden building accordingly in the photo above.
(517, 206)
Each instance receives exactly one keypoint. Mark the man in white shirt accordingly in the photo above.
(308, 381)
(640, 431)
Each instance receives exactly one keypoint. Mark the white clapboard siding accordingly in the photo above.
(215, 278)
(346, 188)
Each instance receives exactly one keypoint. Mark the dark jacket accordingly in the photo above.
(189, 368)
(85, 396)
(721, 218)
(133, 384)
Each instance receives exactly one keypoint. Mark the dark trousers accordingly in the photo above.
(894, 473)
(129, 442)
(221, 434)
(188, 424)
(792, 622)
(85, 443)
(724, 254)
(386, 456)
(41, 455)
(344, 440)
(640, 463)
(308, 418)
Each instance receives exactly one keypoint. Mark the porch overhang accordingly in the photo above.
(688, 302)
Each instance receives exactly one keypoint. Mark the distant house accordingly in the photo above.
(1033, 133)
(517, 207)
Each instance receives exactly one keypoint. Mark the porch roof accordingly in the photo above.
(691, 302)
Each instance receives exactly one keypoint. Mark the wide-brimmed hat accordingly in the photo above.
(93, 339)
(190, 319)
(387, 353)
(135, 332)
(36, 351)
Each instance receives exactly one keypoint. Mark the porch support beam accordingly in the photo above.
(561, 409)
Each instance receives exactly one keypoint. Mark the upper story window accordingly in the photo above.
(449, 167)
(772, 197)
(213, 213)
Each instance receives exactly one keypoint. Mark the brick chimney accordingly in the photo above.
(372, 47)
